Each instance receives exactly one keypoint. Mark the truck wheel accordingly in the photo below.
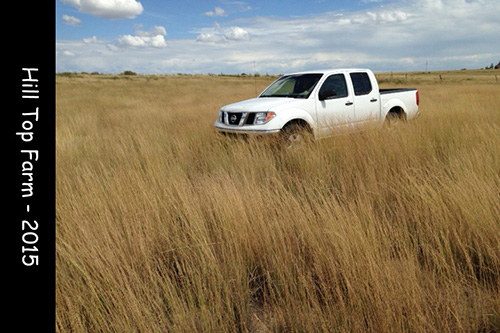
(393, 118)
(294, 135)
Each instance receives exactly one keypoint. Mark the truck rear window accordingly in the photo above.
(361, 83)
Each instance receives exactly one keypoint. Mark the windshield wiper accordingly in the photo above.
(275, 95)
(285, 95)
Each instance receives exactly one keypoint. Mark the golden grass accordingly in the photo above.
(163, 226)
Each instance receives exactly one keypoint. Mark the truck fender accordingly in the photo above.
(296, 115)
(394, 104)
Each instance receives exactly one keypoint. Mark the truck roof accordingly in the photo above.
(331, 71)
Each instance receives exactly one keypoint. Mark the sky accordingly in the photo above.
(274, 36)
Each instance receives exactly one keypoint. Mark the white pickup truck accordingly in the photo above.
(321, 103)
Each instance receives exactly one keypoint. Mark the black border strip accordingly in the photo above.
(30, 169)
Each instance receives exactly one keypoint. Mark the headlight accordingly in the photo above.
(263, 117)
(221, 116)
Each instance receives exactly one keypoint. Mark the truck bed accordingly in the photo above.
(393, 90)
(400, 100)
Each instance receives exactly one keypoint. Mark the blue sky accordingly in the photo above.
(226, 36)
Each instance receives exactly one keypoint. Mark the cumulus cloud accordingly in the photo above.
(157, 30)
(71, 20)
(236, 33)
(388, 16)
(90, 40)
(113, 9)
(223, 35)
(217, 12)
(144, 39)
(207, 37)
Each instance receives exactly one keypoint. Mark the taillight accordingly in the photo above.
(418, 98)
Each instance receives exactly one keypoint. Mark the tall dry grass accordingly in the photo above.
(163, 226)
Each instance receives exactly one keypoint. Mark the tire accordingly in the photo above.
(294, 135)
(394, 118)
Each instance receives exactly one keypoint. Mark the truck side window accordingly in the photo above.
(336, 83)
(361, 83)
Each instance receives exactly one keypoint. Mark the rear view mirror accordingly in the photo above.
(326, 94)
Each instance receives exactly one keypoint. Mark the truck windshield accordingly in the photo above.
(293, 86)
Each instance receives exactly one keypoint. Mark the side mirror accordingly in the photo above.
(326, 94)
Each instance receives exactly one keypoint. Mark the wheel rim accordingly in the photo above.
(294, 139)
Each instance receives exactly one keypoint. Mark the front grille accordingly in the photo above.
(250, 118)
(236, 118)
(233, 118)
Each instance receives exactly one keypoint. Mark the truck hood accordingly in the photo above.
(260, 104)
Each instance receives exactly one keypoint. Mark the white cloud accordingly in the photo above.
(144, 39)
(108, 8)
(90, 40)
(222, 35)
(388, 16)
(71, 20)
(157, 30)
(236, 33)
(216, 12)
(157, 41)
(206, 37)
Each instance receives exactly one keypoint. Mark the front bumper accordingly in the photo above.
(250, 129)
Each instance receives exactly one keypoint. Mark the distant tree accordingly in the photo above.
(497, 66)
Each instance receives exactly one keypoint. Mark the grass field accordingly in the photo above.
(163, 226)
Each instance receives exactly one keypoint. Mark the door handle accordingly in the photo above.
(373, 100)
(349, 103)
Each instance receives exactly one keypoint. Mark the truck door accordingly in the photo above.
(334, 105)
(366, 98)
